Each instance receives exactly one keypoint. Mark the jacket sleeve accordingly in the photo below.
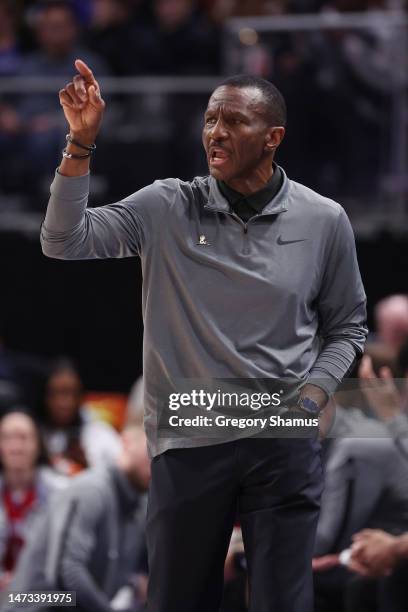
(70, 230)
(342, 310)
(80, 537)
(351, 468)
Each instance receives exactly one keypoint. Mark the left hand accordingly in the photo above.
(316, 394)
(373, 553)
(326, 405)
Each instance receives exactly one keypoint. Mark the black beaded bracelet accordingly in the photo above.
(91, 148)
(73, 156)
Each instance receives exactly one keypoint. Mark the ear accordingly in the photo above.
(273, 138)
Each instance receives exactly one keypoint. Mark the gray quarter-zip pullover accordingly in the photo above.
(292, 268)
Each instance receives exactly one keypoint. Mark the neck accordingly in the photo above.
(17, 480)
(254, 182)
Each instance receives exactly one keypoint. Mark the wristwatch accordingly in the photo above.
(308, 405)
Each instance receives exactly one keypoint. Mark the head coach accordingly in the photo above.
(246, 274)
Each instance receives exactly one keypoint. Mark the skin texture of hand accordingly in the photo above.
(83, 108)
(374, 553)
(324, 563)
(381, 393)
(82, 104)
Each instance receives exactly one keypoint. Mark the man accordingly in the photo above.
(377, 511)
(379, 555)
(91, 538)
(391, 319)
(247, 275)
(366, 485)
(38, 127)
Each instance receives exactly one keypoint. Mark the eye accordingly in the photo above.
(237, 121)
(210, 121)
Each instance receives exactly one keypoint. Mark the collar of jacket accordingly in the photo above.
(217, 202)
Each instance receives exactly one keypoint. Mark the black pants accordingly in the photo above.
(275, 486)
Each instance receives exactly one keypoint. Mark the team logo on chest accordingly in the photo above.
(202, 240)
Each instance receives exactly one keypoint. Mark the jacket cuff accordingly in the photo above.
(323, 380)
(70, 187)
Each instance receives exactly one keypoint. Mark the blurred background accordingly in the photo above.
(342, 66)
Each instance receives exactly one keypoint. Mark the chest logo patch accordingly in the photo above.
(202, 240)
(280, 241)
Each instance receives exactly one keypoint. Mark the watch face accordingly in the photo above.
(309, 405)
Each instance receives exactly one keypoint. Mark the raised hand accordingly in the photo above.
(380, 391)
(82, 104)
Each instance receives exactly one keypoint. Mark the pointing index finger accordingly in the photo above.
(85, 71)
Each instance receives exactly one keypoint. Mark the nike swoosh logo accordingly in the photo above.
(280, 241)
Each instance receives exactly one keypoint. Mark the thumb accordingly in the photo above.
(385, 372)
(366, 370)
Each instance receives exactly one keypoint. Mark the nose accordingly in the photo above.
(218, 131)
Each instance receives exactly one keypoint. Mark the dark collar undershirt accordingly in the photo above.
(246, 206)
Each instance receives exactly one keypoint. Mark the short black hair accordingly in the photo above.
(275, 105)
(45, 5)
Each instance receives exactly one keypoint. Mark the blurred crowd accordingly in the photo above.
(73, 487)
(339, 132)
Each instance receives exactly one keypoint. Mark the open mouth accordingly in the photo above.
(218, 157)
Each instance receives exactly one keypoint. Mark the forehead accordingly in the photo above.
(55, 14)
(246, 100)
(17, 422)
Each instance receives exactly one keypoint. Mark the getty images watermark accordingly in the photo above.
(208, 400)
(186, 411)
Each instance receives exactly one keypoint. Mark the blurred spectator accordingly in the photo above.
(366, 486)
(73, 438)
(112, 34)
(220, 10)
(10, 62)
(91, 539)
(178, 39)
(378, 554)
(34, 125)
(135, 407)
(391, 321)
(57, 32)
(387, 399)
(352, 394)
(20, 374)
(26, 484)
(10, 54)
(348, 6)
